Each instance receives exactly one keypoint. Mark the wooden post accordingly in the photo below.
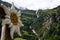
(7, 33)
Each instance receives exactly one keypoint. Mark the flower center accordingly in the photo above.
(14, 18)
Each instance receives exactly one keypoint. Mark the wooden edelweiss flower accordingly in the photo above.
(13, 19)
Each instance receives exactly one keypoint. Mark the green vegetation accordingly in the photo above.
(19, 39)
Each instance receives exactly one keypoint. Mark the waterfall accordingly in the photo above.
(37, 14)
(35, 33)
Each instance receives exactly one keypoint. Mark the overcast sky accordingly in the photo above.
(35, 4)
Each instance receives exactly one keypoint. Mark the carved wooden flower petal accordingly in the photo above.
(14, 21)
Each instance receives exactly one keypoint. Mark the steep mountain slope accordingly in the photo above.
(48, 27)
